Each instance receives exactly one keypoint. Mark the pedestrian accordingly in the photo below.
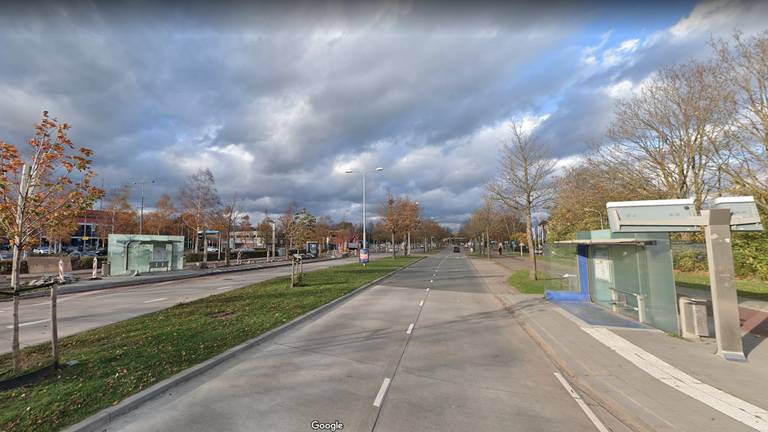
(500, 249)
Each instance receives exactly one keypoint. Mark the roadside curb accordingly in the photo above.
(64, 289)
(100, 420)
(620, 413)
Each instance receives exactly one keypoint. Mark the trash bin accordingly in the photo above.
(104, 268)
(693, 317)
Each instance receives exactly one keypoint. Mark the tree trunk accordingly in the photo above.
(205, 247)
(15, 286)
(197, 239)
(528, 227)
(54, 329)
(487, 244)
(226, 249)
(408, 248)
(394, 251)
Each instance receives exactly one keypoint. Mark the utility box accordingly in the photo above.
(693, 318)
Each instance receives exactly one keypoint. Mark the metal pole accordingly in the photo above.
(141, 213)
(273, 241)
(725, 302)
(364, 234)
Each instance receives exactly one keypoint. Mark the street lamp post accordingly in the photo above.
(364, 173)
(599, 215)
(141, 211)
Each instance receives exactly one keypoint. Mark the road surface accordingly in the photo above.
(87, 310)
(429, 349)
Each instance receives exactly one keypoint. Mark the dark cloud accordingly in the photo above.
(279, 98)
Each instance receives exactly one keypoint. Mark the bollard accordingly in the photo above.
(95, 267)
(61, 270)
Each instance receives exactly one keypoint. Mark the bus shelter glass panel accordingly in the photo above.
(144, 253)
(559, 266)
(635, 280)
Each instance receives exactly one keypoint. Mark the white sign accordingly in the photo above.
(602, 269)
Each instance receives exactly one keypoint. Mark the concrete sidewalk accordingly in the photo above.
(644, 377)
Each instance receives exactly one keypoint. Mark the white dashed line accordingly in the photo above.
(29, 323)
(382, 392)
(591, 415)
(431, 280)
(421, 303)
(224, 287)
(156, 300)
(410, 329)
(427, 289)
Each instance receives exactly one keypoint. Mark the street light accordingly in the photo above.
(141, 212)
(364, 173)
(599, 215)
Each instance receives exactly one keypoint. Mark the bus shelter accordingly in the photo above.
(629, 273)
(135, 254)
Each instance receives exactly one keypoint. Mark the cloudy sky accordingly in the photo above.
(279, 99)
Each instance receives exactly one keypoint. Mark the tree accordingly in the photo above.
(581, 194)
(409, 213)
(226, 221)
(672, 131)
(162, 220)
(286, 225)
(392, 217)
(743, 64)
(124, 219)
(52, 186)
(526, 180)
(199, 201)
(302, 227)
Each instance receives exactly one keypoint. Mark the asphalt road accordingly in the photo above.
(87, 310)
(397, 357)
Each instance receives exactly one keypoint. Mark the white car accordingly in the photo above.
(213, 249)
(42, 250)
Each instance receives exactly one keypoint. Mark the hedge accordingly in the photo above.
(750, 256)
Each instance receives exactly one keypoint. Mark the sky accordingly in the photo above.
(279, 99)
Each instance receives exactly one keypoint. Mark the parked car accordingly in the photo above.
(212, 249)
(42, 250)
(456, 249)
(6, 255)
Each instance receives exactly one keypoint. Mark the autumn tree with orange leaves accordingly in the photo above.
(42, 187)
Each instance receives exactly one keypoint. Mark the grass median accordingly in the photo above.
(120, 359)
(521, 280)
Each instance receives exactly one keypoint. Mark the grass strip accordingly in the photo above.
(120, 359)
(521, 281)
(749, 288)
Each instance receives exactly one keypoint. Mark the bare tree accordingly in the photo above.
(526, 180)
(744, 65)
(227, 220)
(199, 199)
(670, 133)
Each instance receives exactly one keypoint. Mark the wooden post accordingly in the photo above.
(54, 329)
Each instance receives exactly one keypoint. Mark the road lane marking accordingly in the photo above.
(166, 283)
(382, 392)
(727, 404)
(584, 407)
(431, 280)
(224, 287)
(427, 289)
(421, 303)
(410, 329)
(156, 300)
(29, 323)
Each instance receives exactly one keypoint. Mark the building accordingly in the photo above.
(251, 239)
